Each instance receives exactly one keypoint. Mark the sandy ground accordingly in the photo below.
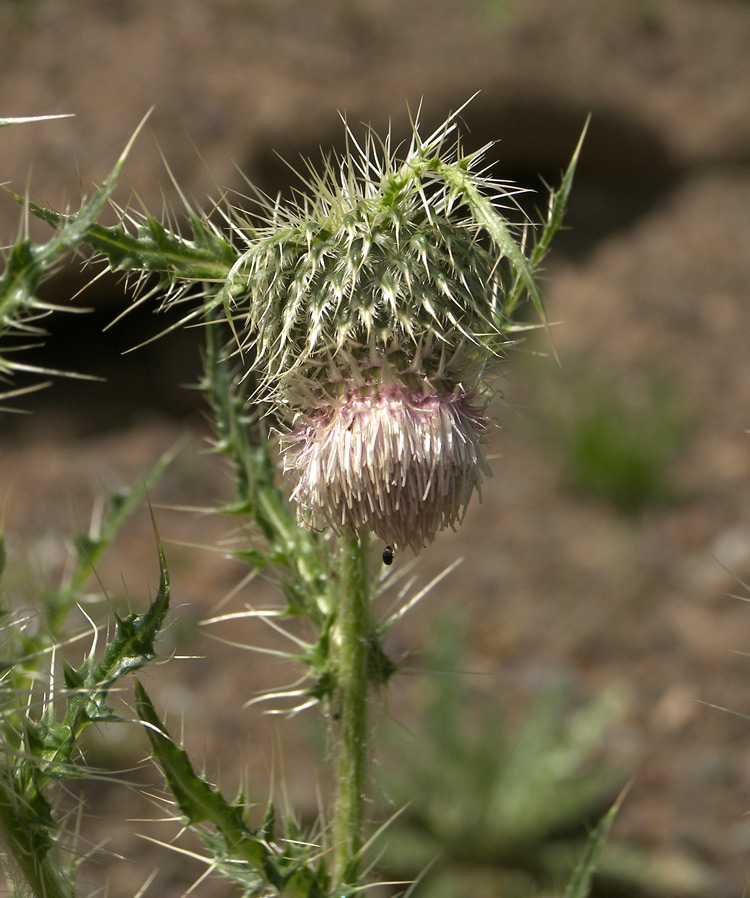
(650, 282)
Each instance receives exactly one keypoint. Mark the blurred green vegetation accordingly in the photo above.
(617, 440)
(490, 809)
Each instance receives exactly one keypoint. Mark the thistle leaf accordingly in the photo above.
(25, 827)
(88, 686)
(200, 802)
(558, 204)
(153, 247)
(580, 882)
(29, 263)
(133, 643)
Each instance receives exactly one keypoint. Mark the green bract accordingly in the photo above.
(381, 257)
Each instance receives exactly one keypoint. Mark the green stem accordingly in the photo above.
(353, 633)
(30, 853)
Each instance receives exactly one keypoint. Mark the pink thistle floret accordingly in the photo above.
(388, 459)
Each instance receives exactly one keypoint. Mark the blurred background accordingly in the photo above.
(599, 568)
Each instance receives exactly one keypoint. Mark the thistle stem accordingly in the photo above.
(351, 759)
(29, 848)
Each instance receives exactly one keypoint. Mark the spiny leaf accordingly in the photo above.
(72, 229)
(29, 263)
(153, 247)
(91, 546)
(580, 882)
(88, 686)
(133, 644)
(556, 211)
(196, 798)
(200, 802)
(26, 818)
(29, 848)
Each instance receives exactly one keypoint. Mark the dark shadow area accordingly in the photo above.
(158, 377)
(623, 171)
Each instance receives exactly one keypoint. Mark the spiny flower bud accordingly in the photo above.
(372, 309)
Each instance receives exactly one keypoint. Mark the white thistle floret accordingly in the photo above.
(388, 460)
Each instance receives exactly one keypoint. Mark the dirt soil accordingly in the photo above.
(651, 281)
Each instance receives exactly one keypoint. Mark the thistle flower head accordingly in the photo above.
(399, 457)
(373, 308)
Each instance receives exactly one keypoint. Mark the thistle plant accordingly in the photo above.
(374, 308)
(361, 324)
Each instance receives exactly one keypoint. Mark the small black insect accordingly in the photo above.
(388, 555)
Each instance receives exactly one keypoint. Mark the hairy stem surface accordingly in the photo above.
(28, 847)
(351, 748)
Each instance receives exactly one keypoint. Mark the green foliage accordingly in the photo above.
(41, 733)
(617, 443)
(140, 246)
(152, 247)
